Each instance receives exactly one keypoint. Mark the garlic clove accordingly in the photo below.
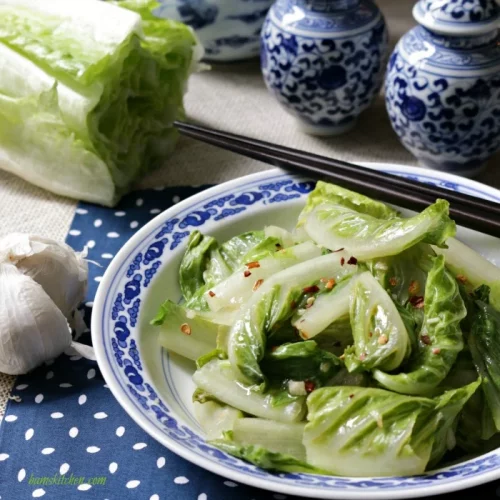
(62, 272)
(32, 328)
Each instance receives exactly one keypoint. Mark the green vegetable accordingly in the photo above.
(356, 431)
(366, 237)
(87, 105)
(191, 337)
(218, 379)
(484, 343)
(216, 418)
(239, 287)
(332, 194)
(276, 437)
(263, 458)
(380, 336)
(273, 303)
(328, 308)
(440, 339)
(300, 361)
(473, 268)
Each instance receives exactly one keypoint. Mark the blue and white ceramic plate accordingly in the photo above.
(155, 388)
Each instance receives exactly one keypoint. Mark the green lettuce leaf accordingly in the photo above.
(300, 361)
(472, 268)
(484, 343)
(330, 193)
(186, 334)
(263, 458)
(366, 237)
(218, 379)
(87, 105)
(215, 418)
(440, 338)
(380, 336)
(355, 431)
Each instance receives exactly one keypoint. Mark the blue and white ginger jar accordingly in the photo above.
(228, 29)
(324, 60)
(443, 85)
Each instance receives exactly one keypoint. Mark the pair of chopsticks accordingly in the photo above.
(469, 211)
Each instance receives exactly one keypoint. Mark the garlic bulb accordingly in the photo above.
(42, 282)
(55, 266)
(32, 328)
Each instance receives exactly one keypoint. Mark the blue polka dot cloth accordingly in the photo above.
(64, 436)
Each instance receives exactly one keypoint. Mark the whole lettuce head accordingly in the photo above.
(89, 92)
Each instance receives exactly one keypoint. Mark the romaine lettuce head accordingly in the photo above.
(86, 103)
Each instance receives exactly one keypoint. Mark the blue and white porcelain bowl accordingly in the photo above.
(324, 60)
(155, 387)
(228, 29)
(443, 85)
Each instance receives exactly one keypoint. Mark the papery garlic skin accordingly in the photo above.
(32, 328)
(61, 271)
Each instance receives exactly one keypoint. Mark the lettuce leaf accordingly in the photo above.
(87, 105)
(366, 237)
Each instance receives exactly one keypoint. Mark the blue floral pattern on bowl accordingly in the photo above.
(324, 60)
(228, 29)
(116, 328)
(443, 98)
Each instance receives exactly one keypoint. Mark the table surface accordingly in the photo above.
(231, 97)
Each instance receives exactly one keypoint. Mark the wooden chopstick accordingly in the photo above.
(469, 211)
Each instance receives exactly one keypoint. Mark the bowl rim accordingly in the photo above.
(204, 462)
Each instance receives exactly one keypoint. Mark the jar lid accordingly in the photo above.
(458, 17)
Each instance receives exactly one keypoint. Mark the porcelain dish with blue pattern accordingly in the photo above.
(309, 340)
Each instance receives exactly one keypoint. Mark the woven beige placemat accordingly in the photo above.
(232, 97)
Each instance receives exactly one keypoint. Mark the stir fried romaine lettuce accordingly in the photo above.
(357, 345)
(440, 338)
(366, 237)
(87, 105)
(380, 336)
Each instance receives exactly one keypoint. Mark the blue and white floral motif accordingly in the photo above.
(228, 29)
(443, 98)
(460, 11)
(326, 67)
(119, 338)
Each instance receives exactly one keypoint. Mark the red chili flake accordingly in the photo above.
(251, 265)
(339, 250)
(414, 287)
(304, 335)
(351, 396)
(417, 301)
(257, 284)
(212, 294)
(426, 339)
(393, 281)
(462, 278)
(310, 386)
(353, 261)
(247, 274)
(342, 261)
(185, 329)
(436, 350)
(370, 334)
(293, 304)
(330, 284)
(311, 289)
(362, 356)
